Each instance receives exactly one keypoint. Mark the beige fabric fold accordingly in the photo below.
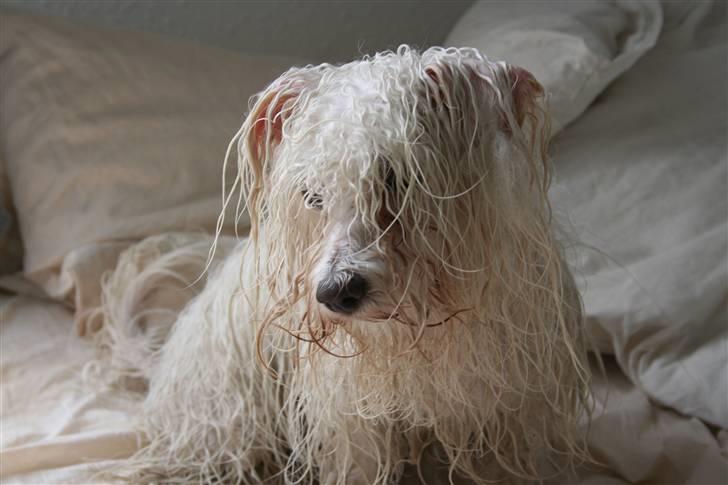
(56, 428)
(113, 136)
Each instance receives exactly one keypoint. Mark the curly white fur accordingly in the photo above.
(427, 174)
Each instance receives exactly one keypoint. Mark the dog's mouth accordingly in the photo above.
(396, 315)
(318, 326)
(368, 310)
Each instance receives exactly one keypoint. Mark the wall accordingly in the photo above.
(316, 30)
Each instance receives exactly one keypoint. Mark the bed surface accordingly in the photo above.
(641, 180)
(55, 425)
(58, 427)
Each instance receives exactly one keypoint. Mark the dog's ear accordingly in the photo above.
(267, 116)
(525, 93)
(516, 90)
(472, 97)
(262, 132)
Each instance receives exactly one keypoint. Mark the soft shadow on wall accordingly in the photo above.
(332, 31)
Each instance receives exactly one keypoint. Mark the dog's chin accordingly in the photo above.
(373, 313)
(369, 312)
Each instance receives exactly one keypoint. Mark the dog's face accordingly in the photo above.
(384, 184)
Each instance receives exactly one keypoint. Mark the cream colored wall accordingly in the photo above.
(317, 30)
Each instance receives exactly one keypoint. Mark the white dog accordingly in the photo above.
(401, 293)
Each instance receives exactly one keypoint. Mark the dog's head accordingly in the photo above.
(401, 186)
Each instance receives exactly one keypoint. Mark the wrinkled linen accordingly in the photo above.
(55, 427)
(643, 179)
(111, 136)
(59, 428)
(574, 48)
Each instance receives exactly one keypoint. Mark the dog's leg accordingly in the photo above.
(353, 458)
(211, 412)
(142, 298)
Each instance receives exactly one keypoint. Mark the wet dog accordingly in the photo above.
(402, 288)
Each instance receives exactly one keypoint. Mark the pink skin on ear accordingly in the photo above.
(523, 86)
(524, 89)
(269, 119)
(440, 98)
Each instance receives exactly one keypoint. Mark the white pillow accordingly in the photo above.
(644, 175)
(113, 136)
(574, 48)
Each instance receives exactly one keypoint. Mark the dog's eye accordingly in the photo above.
(312, 200)
(393, 183)
(390, 181)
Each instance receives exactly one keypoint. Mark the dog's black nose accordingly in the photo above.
(343, 295)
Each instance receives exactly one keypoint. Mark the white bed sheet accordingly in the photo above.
(58, 429)
(53, 427)
(643, 175)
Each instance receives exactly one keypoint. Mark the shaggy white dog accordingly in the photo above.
(401, 290)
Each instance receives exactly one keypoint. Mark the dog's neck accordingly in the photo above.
(379, 374)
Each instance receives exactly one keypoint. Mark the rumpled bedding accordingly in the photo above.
(57, 427)
(643, 177)
(640, 180)
(108, 137)
(574, 48)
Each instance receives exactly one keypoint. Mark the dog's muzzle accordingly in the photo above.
(342, 294)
